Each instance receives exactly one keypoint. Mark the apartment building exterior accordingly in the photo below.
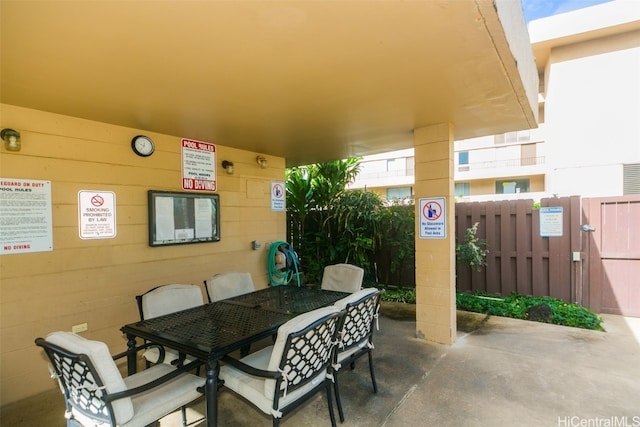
(588, 139)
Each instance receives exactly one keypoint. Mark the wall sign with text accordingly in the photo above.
(97, 214)
(433, 218)
(198, 166)
(25, 209)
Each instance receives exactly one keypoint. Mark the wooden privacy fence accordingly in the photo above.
(519, 258)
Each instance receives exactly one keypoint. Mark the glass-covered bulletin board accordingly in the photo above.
(177, 218)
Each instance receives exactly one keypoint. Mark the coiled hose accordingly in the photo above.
(282, 276)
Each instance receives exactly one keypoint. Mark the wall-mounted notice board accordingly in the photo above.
(177, 218)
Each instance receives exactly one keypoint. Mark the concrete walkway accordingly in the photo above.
(512, 372)
(500, 372)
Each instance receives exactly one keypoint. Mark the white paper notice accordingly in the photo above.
(203, 209)
(165, 227)
(25, 216)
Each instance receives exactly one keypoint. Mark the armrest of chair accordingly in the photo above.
(141, 347)
(153, 384)
(250, 369)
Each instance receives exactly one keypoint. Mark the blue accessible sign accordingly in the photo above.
(433, 222)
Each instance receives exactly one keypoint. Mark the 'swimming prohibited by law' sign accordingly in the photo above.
(433, 222)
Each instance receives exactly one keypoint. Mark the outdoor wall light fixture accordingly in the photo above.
(262, 162)
(11, 139)
(228, 166)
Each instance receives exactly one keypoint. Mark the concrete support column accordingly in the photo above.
(435, 258)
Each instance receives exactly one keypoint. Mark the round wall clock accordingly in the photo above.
(142, 145)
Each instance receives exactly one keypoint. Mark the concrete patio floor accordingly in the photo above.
(500, 372)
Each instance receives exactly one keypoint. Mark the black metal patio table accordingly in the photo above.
(210, 331)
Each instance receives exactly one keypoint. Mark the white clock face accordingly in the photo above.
(142, 145)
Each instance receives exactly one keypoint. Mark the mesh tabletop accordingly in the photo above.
(209, 330)
(212, 330)
(288, 299)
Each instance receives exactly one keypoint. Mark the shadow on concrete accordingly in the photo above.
(500, 372)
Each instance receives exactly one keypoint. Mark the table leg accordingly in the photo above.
(132, 366)
(211, 393)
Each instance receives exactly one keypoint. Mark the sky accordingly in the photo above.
(536, 9)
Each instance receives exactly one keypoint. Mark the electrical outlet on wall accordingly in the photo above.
(76, 329)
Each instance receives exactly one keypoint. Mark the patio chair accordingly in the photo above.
(96, 394)
(228, 285)
(166, 299)
(342, 277)
(356, 335)
(279, 378)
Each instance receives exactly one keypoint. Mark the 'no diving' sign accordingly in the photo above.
(433, 222)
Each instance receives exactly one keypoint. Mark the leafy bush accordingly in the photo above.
(314, 208)
(328, 224)
(405, 295)
(473, 252)
(395, 255)
(517, 306)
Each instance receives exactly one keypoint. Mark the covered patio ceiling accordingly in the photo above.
(309, 81)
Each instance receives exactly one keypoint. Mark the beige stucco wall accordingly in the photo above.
(95, 281)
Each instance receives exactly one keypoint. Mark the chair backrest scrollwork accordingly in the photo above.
(303, 350)
(361, 311)
(87, 373)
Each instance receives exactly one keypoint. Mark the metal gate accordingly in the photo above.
(612, 248)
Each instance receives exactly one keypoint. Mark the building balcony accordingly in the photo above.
(499, 168)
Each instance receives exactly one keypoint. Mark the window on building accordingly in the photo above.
(462, 189)
(512, 137)
(524, 135)
(399, 193)
(463, 161)
(512, 186)
(463, 157)
(631, 178)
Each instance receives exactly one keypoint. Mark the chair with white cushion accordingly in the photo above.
(342, 277)
(228, 285)
(356, 337)
(163, 300)
(280, 377)
(96, 394)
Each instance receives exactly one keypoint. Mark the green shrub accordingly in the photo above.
(406, 295)
(395, 253)
(517, 306)
(473, 251)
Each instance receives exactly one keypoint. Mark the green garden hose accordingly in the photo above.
(282, 276)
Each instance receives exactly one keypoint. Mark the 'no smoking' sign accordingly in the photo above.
(433, 223)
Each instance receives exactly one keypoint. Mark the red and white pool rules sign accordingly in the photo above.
(433, 222)
(198, 166)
